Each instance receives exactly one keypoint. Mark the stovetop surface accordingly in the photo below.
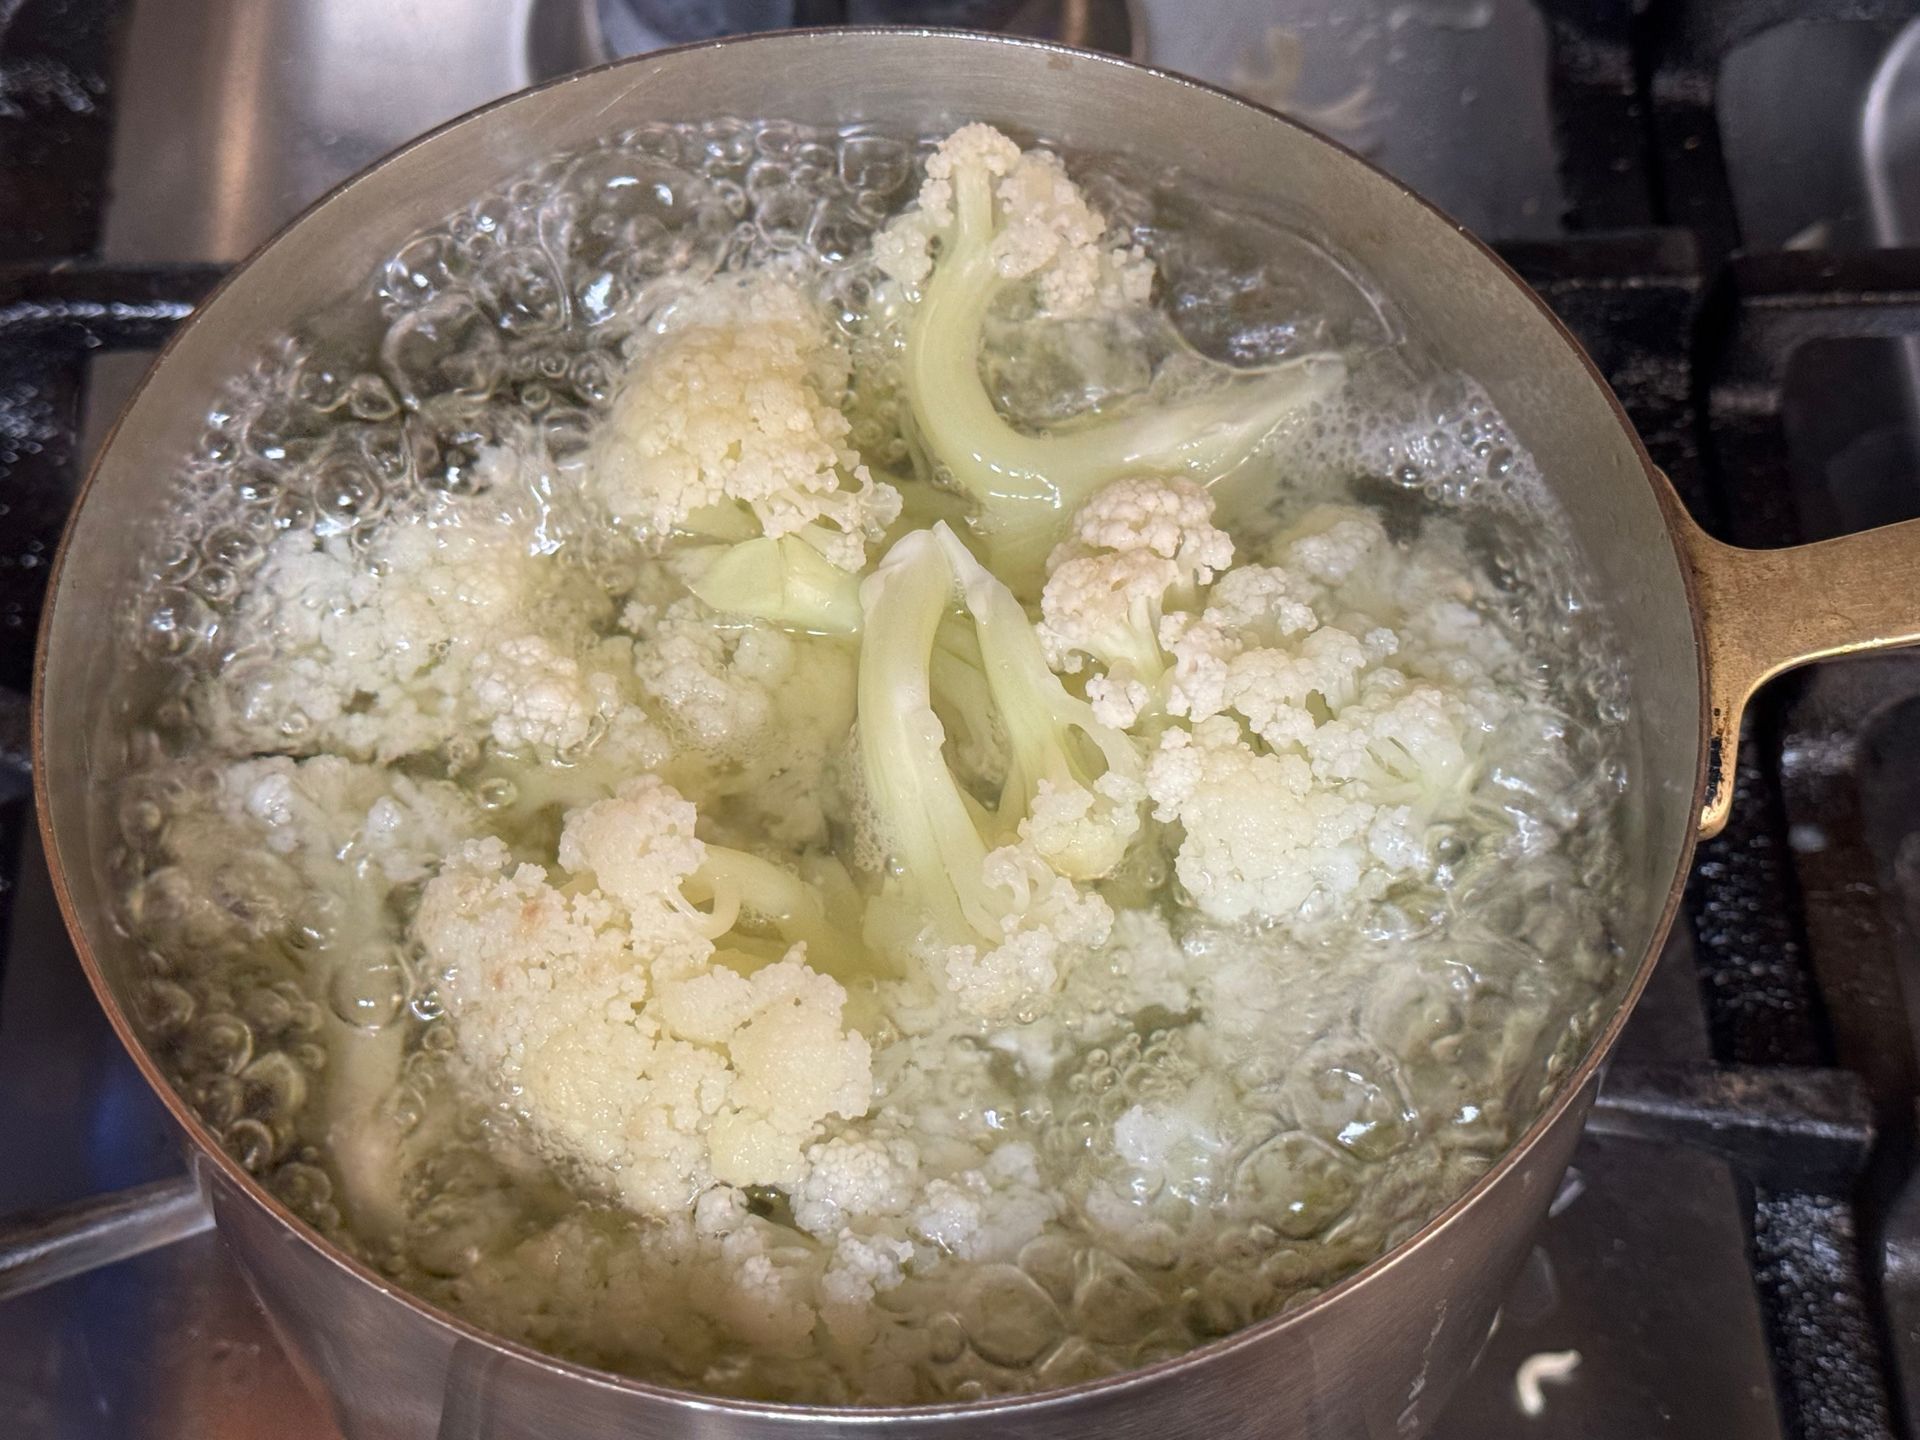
(1734, 1253)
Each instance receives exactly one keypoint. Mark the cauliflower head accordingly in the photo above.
(597, 1008)
(1312, 718)
(454, 625)
(730, 425)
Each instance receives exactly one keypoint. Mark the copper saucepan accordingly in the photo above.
(1705, 624)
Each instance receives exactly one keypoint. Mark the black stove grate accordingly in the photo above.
(1803, 1099)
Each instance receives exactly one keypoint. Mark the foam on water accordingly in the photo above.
(1199, 1176)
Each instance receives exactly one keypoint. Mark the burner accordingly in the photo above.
(1737, 1248)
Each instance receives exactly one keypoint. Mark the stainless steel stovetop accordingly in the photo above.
(1653, 1303)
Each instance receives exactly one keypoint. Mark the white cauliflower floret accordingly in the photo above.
(302, 851)
(854, 1179)
(332, 809)
(403, 646)
(638, 849)
(1050, 234)
(1164, 516)
(794, 1065)
(1135, 550)
(596, 1008)
(1260, 838)
(538, 698)
(710, 679)
(987, 1214)
(755, 715)
(1049, 921)
(861, 1268)
(731, 420)
(1335, 701)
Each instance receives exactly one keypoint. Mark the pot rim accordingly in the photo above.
(206, 1149)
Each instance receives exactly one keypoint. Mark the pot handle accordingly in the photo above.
(1766, 611)
(38, 1247)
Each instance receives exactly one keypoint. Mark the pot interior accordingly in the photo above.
(1474, 315)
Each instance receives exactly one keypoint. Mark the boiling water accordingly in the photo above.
(1371, 1078)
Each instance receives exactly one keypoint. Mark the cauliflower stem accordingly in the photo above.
(1071, 788)
(1026, 486)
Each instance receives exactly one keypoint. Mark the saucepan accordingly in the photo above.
(1703, 625)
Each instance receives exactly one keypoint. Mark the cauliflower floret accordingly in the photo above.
(595, 1007)
(1135, 550)
(756, 716)
(538, 698)
(1049, 921)
(854, 1179)
(861, 1268)
(404, 645)
(305, 852)
(987, 1214)
(731, 419)
(794, 1065)
(1260, 838)
(1051, 233)
(329, 809)
(1335, 701)
(710, 679)
(989, 217)
(1168, 517)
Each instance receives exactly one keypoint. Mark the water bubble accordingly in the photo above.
(423, 269)
(268, 1011)
(496, 793)
(320, 385)
(1075, 1362)
(276, 1088)
(163, 1007)
(303, 1188)
(251, 1143)
(1009, 1319)
(1301, 1184)
(946, 1339)
(1111, 1303)
(216, 1099)
(875, 164)
(177, 620)
(1049, 1259)
(726, 145)
(369, 397)
(368, 990)
(765, 175)
(657, 142)
(528, 297)
(448, 346)
(217, 1042)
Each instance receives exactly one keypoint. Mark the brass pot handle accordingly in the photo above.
(1765, 611)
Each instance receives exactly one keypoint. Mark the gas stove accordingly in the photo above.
(1717, 197)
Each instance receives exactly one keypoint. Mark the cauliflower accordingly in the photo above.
(796, 907)
(537, 698)
(450, 625)
(756, 717)
(1135, 549)
(1335, 703)
(855, 1179)
(999, 217)
(997, 917)
(987, 1214)
(730, 425)
(1261, 839)
(597, 1009)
